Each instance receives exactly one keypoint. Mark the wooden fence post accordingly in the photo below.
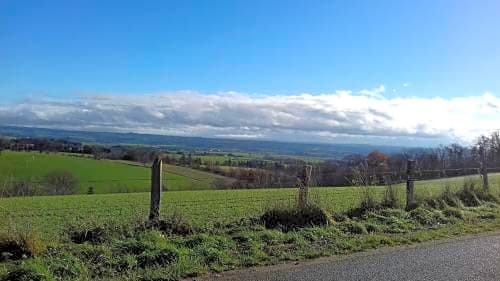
(484, 175)
(410, 186)
(304, 179)
(156, 182)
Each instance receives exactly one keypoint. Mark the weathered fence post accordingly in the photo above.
(484, 175)
(156, 181)
(304, 179)
(410, 186)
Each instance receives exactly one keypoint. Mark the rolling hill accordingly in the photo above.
(104, 176)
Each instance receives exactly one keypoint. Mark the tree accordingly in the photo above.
(378, 163)
(3, 144)
(483, 149)
(61, 182)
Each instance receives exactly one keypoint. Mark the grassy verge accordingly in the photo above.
(175, 249)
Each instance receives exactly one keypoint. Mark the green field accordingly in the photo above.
(235, 157)
(204, 208)
(104, 176)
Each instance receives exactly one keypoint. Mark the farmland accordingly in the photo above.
(203, 208)
(104, 176)
(104, 237)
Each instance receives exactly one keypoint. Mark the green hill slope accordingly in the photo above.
(104, 176)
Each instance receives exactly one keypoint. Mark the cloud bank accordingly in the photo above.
(345, 116)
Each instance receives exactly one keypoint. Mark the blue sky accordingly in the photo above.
(61, 50)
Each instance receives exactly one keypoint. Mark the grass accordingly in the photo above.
(104, 176)
(235, 157)
(127, 252)
(219, 156)
(203, 208)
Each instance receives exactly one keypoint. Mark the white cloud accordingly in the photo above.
(341, 116)
(375, 93)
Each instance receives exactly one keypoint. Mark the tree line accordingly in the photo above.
(441, 161)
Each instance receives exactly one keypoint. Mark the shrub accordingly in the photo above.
(21, 188)
(61, 182)
(20, 246)
(90, 190)
(288, 218)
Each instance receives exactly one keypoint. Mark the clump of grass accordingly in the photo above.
(98, 258)
(20, 245)
(428, 217)
(156, 274)
(389, 221)
(468, 195)
(368, 203)
(391, 199)
(449, 198)
(372, 227)
(80, 235)
(291, 217)
(66, 267)
(175, 224)
(473, 196)
(454, 213)
(158, 257)
(126, 263)
(353, 227)
(29, 271)
(213, 250)
(98, 232)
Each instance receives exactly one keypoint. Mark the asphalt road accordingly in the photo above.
(469, 258)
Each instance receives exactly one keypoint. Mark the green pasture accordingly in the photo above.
(104, 176)
(49, 214)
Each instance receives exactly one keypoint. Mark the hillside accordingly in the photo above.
(204, 144)
(104, 176)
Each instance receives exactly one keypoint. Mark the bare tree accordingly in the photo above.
(483, 149)
(61, 182)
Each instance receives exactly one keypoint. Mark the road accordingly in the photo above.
(468, 258)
